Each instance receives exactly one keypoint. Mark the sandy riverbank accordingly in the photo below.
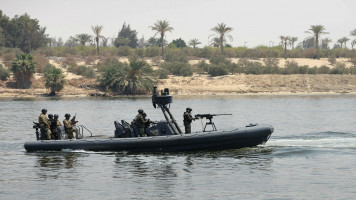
(202, 84)
(206, 85)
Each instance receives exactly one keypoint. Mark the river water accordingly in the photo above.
(311, 154)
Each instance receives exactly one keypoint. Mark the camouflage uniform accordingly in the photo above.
(187, 120)
(140, 123)
(44, 124)
(68, 127)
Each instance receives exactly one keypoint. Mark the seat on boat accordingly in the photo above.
(119, 130)
(127, 129)
(62, 135)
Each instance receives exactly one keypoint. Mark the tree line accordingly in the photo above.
(26, 34)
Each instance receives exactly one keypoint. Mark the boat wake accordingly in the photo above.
(317, 140)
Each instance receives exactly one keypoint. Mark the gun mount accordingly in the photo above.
(162, 100)
(210, 118)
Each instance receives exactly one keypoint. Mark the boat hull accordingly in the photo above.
(217, 140)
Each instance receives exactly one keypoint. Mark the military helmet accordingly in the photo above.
(144, 114)
(189, 109)
(56, 115)
(67, 115)
(50, 116)
(44, 110)
(140, 111)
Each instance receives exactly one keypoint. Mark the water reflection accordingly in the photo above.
(57, 160)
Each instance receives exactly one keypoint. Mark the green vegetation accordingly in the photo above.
(23, 68)
(128, 79)
(222, 30)
(97, 31)
(317, 31)
(22, 32)
(126, 37)
(194, 43)
(54, 79)
(4, 74)
(162, 27)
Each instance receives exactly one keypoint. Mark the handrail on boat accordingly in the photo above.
(81, 130)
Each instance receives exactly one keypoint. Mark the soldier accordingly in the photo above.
(68, 125)
(147, 121)
(187, 120)
(54, 125)
(140, 123)
(44, 124)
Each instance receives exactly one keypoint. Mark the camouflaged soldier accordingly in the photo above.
(68, 125)
(140, 123)
(44, 124)
(54, 125)
(187, 120)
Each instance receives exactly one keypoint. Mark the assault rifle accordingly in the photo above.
(209, 117)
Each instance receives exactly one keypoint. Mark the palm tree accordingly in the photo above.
(222, 30)
(162, 27)
(325, 43)
(54, 80)
(341, 42)
(135, 81)
(285, 40)
(345, 39)
(194, 42)
(353, 43)
(317, 31)
(123, 41)
(83, 38)
(23, 68)
(125, 78)
(97, 31)
(293, 40)
(353, 32)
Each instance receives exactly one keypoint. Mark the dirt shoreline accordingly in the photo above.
(204, 85)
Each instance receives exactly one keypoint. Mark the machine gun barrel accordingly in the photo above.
(208, 116)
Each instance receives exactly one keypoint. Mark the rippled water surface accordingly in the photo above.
(311, 154)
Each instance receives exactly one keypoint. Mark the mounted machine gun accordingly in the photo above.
(210, 118)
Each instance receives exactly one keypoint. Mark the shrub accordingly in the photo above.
(234, 68)
(271, 61)
(54, 80)
(218, 70)
(332, 60)
(48, 68)
(4, 74)
(219, 59)
(175, 68)
(323, 69)
(201, 67)
(313, 70)
(353, 70)
(152, 52)
(124, 51)
(162, 73)
(176, 56)
(271, 70)
(186, 70)
(69, 62)
(253, 68)
(90, 60)
(139, 52)
(291, 67)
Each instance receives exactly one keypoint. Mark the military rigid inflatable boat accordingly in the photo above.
(162, 136)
